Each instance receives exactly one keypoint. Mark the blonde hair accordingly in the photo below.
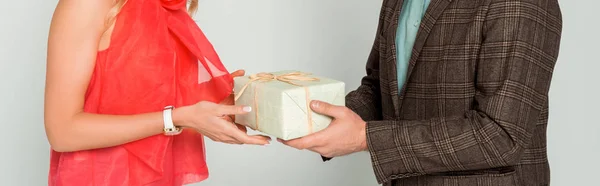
(114, 11)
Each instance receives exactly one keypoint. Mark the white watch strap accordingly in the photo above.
(168, 117)
(170, 128)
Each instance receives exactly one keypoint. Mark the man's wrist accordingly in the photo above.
(363, 137)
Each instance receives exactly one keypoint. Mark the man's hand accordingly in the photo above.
(345, 135)
(230, 101)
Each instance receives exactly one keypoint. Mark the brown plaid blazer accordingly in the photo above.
(474, 109)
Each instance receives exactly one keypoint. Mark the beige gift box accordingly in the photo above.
(280, 102)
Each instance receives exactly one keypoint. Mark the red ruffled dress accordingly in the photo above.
(158, 57)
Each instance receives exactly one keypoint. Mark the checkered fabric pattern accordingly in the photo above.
(474, 109)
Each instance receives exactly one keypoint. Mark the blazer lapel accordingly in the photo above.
(434, 11)
(393, 70)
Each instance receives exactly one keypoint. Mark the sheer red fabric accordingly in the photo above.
(158, 57)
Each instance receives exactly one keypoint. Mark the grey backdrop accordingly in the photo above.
(321, 36)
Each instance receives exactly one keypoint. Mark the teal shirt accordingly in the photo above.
(408, 26)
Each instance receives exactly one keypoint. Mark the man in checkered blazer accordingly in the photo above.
(473, 109)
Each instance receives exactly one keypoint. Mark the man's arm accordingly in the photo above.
(519, 51)
(366, 99)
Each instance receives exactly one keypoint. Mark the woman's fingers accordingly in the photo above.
(228, 118)
(261, 137)
(233, 135)
(229, 100)
(223, 110)
(242, 128)
(223, 138)
(238, 73)
(252, 140)
(228, 140)
(233, 142)
(222, 129)
(231, 119)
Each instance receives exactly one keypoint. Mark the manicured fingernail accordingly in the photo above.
(247, 109)
(315, 104)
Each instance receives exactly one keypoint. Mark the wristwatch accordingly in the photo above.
(170, 129)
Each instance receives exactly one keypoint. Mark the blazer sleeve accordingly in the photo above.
(519, 50)
(365, 100)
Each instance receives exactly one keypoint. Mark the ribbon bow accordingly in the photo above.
(288, 78)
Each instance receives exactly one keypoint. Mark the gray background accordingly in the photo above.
(321, 36)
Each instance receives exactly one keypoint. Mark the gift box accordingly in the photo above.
(280, 102)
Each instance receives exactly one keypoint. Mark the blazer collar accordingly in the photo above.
(433, 12)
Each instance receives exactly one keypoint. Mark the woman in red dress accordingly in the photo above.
(131, 88)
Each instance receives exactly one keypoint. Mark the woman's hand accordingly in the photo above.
(207, 118)
(215, 121)
(230, 101)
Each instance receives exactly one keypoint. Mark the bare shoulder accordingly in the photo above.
(77, 21)
(75, 32)
(89, 5)
(82, 9)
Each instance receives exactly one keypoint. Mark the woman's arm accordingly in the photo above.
(74, 37)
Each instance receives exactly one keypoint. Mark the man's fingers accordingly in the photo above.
(302, 143)
(232, 110)
(323, 151)
(328, 109)
(315, 140)
(299, 144)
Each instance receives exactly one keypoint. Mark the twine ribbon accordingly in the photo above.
(288, 78)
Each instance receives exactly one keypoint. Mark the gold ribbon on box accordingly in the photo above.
(288, 78)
